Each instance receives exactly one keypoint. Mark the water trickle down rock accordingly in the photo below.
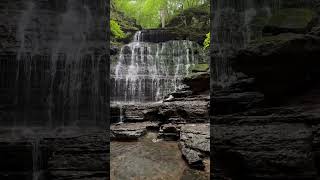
(147, 71)
(54, 67)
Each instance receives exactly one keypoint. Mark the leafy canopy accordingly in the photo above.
(148, 12)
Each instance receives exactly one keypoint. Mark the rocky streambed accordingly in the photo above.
(149, 150)
(163, 140)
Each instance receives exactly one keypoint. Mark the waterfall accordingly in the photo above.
(69, 60)
(59, 65)
(148, 71)
(233, 29)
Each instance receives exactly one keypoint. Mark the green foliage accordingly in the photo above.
(206, 42)
(116, 30)
(147, 12)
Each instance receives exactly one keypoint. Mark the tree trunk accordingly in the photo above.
(163, 18)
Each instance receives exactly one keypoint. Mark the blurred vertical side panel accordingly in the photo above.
(54, 89)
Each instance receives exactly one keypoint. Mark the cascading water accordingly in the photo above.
(234, 28)
(63, 66)
(147, 72)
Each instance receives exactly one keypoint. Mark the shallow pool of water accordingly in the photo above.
(147, 159)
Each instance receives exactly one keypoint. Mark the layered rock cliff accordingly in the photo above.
(265, 122)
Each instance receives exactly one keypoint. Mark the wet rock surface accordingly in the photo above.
(131, 131)
(188, 109)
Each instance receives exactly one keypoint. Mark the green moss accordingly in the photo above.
(292, 18)
(200, 68)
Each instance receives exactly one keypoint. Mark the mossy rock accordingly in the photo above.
(198, 82)
(295, 20)
(199, 68)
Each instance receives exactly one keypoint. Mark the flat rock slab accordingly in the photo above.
(191, 109)
(131, 131)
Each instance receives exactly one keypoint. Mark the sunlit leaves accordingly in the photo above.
(147, 12)
(206, 42)
(116, 30)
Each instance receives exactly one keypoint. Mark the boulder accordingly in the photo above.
(130, 131)
(198, 82)
(191, 156)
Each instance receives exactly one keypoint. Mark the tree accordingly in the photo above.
(152, 13)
